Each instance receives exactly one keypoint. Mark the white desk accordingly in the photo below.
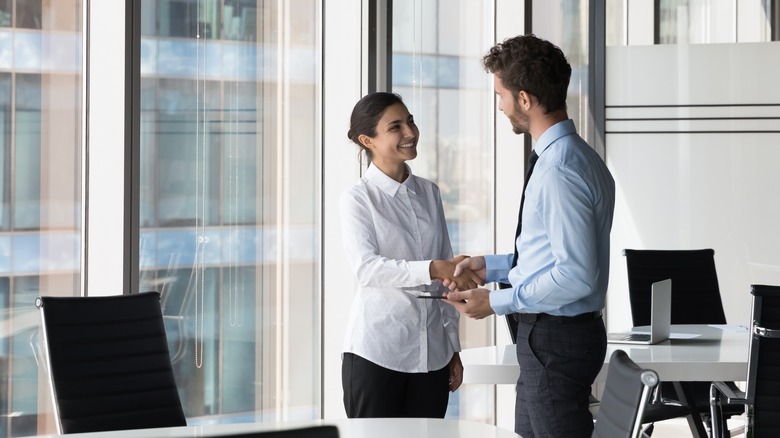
(348, 428)
(715, 354)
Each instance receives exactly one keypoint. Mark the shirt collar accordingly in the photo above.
(387, 184)
(553, 133)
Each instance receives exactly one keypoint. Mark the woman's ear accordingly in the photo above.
(365, 141)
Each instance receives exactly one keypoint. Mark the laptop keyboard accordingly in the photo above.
(630, 337)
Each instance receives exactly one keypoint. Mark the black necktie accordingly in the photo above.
(531, 162)
(512, 318)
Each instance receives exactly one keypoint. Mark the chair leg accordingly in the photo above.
(719, 427)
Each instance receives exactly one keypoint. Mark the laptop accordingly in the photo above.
(660, 318)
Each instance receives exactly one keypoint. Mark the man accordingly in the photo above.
(559, 282)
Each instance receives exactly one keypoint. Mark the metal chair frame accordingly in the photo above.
(720, 392)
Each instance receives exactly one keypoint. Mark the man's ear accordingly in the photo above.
(366, 141)
(524, 100)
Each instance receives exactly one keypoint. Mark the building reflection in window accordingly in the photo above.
(230, 189)
(436, 68)
(40, 189)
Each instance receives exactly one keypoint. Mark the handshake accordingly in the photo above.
(457, 278)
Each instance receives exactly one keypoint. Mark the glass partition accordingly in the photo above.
(683, 22)
(693, 91)
(565, 24)
(229, 200)
(436, 68)
(40, 189)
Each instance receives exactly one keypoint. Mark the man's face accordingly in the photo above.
(510, 106)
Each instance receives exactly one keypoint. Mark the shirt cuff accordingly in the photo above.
(420, 271)
(497, 267)
(501, 301)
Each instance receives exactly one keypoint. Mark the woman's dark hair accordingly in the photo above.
(532, 64)
(366, 115)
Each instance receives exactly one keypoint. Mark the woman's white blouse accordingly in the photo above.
(391, 233)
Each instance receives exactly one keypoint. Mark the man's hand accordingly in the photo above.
(464, 264)
(474, 303)
(444, 271)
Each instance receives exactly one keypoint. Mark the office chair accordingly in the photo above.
(108, 362)
(695, 300)
(626, 395)
(695, 291)
(762, 390)
(324, 431)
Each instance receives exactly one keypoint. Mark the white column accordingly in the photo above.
(104, 230)
(342, 89)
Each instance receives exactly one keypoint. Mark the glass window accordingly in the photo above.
(565, 24)
(40, 189)
(27, 161)
(229, 200)
(437, 70)
(691, 22)
(6, 19)
(29, 14)
(616, 13)
(696, 21)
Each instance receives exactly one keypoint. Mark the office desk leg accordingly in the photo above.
(695, 421)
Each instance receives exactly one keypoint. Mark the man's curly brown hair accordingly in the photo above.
(529, 63)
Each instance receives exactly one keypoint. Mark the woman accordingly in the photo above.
(401, 352)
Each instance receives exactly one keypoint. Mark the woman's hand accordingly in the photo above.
(456, 372)
(470, 267)
(444, 271)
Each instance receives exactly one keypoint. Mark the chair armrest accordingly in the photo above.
(732, 394)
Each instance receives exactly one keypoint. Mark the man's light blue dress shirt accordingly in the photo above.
(563, 262)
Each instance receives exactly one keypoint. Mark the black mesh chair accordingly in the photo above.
(695, 291)
(109, 363)
(625, 397)
(695, 300)
(762, 390)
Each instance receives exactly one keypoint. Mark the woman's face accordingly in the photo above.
(396, 138)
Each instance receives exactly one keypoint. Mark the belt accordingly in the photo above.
(533, 317)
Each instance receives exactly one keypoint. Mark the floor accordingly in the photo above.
(675, 428)
(678, 428)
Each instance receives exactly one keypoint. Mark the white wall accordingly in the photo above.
(510, 16)
(698, 163)
(342, 89)
(106, 143)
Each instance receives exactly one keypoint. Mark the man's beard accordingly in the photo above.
(519, 129)
(519, 122)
